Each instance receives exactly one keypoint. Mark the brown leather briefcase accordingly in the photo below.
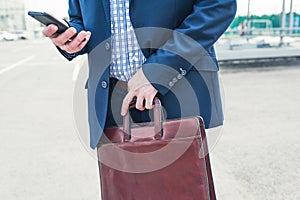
(156, 161)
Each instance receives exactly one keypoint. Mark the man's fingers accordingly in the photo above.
(50, 30)
(82, 38)
(149, 103)
(140, 87)
(69, 41)
(140, 103)
(77, 43)
(82, 44)
(126, 101)
(65, 37)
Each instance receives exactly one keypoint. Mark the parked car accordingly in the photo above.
(7, 36)
(21, 35)
(1, 35)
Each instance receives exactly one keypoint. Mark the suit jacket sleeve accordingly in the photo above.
(76, 22)
(191, 43)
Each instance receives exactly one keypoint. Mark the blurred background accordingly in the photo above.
(278, 21)
(44, 154)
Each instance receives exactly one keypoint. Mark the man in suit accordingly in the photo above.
(146, 48)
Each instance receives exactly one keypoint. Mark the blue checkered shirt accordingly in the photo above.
(127, 56)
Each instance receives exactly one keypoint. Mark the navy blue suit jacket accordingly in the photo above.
(176, 37)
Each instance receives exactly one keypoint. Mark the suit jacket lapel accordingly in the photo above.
(106, 6)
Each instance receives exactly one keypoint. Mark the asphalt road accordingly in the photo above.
(42, 157)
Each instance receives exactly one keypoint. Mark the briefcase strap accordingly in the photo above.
(158, 120)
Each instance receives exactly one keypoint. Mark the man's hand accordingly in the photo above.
(65, 41)
(139, 87)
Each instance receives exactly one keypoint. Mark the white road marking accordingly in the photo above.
(16, 65)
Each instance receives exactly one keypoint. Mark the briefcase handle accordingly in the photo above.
(158, 121)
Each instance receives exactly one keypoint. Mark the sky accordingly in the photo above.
(257, 7)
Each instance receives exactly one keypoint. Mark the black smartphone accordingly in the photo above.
(47, 19)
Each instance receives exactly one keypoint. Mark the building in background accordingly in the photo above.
(12, 15)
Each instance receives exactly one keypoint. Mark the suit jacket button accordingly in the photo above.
(107, 46)
(104, 84)
(183, 72)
